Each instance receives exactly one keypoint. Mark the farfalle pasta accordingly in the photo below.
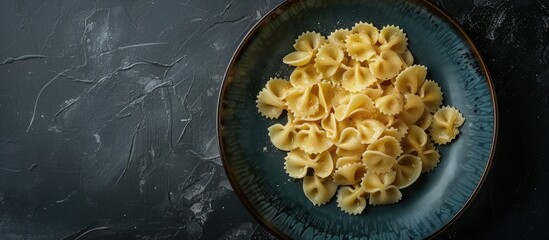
(363, 119)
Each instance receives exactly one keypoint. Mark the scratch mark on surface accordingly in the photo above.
(130, 17)
(130, 155)
(54, 26)
(183, 131)
(71, 77)
(91, 230)
(38, 97)
(10, 170)
(22, 58)
(215, 24)
(32, 167)
(133, 46)
(35, 212)
(66, 198)
(66, 106)
(201, 156)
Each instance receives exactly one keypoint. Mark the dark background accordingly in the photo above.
(107, 119)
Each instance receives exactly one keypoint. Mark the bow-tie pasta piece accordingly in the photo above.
(302, 102)
(323, 91)
(319, 190)
(271, 100)
(378, 162)
(391, 37)
(417, 142)
(351, 200)
(400, 126)
(357, 103)
(344, 160)
(446, 123)
(297, 163)
(409, 80)
(407, 59)
(431, 95)
(298, 58)
(416, 138)
(338, 37)
(349, 143)
(380, 188)
(408, 169)
(282, 136)
(349, 174)
(309, 42)
(390, 104)
(340, 96)
(387, 145)
(413, 109)
(359, 47)
(305, 76)
(328, 59)
(357, 78)
(368, 29)
(311, 139)
(386, 65)
(370, 130)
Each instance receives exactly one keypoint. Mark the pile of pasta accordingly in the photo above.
(362, 118)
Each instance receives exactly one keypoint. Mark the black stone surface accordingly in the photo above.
(107, 119)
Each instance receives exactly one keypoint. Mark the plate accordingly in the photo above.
(255, 167)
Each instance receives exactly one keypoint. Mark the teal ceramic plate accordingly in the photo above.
(255, 167)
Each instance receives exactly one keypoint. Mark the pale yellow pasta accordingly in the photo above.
(328, 59)
(323, 92)
(392, 37)
(349, 143)
(271, 100)
(390, 104)
(302, 102)
(357, 103)
(297, 163)
(338, 37)
(446, 123)
(282, 136)
(309, 42)
(349, 174)
(424, 122)
(357, 78)
(377, 161)
(305, 76)
(370, 130)
(359, 47)
(407, 59)
(311, 139)
(380, 187)
(431, 95)
(319, 190)
(409, 80)
(298, 58)
(362, 118)
(387, 145)
(368, 29)
(413, 109)
(344, 160)
(407, 169)
(386, 65)
(351, 199)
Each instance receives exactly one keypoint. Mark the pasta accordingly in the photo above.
(362, 117)
(319, 190)
(446, 122)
